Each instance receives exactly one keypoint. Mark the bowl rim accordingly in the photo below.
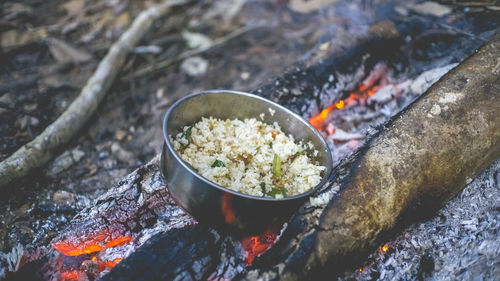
(169, 145)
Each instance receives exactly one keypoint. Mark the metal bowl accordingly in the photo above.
(214, 204)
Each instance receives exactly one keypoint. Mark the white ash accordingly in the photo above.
(330, 91)
(384, 95)
(323, 198)
(427, 78)
(12, 259)
(123, 251)
(461, 242)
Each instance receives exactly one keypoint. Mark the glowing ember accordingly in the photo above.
(118, 242)
(71, 275)
(317, 120)
(362, 94)
(254, 246)
(376, 80)
(385, 248)
(97, 243)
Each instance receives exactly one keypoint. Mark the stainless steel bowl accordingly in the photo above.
(214, 204)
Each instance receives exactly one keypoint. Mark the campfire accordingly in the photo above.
(135, 231)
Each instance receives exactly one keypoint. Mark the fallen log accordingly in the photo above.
(422, 158)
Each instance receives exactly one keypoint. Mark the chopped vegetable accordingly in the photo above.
(276, 166)
(276, 191)
(263, 188)
(186, 134)
(218, 163)
(274, 134)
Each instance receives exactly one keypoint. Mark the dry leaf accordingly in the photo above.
(122, 21)
(197, 40)
(73, 7)
(430, 8)
(16, 38)
(64, 52)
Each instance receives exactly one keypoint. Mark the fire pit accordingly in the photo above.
(135, 231)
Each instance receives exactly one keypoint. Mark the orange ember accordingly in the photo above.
(103, 265)
(254, 246)
(340, 104)
(97, 243)
(385, 248)
(71, 275)
(317, 120)
(362, 94)
(119, 242)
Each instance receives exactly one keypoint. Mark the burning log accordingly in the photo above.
(423, 157)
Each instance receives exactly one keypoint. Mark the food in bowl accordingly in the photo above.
(249, 156)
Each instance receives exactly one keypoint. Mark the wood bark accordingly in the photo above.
(423, 157)
(39, 151)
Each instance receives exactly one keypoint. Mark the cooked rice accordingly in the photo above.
(239, 155)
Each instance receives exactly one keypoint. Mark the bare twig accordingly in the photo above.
(39, 151)
(168, 62)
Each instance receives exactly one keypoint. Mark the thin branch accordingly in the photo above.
(39, 151)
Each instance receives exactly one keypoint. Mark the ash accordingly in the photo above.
(461, 242)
